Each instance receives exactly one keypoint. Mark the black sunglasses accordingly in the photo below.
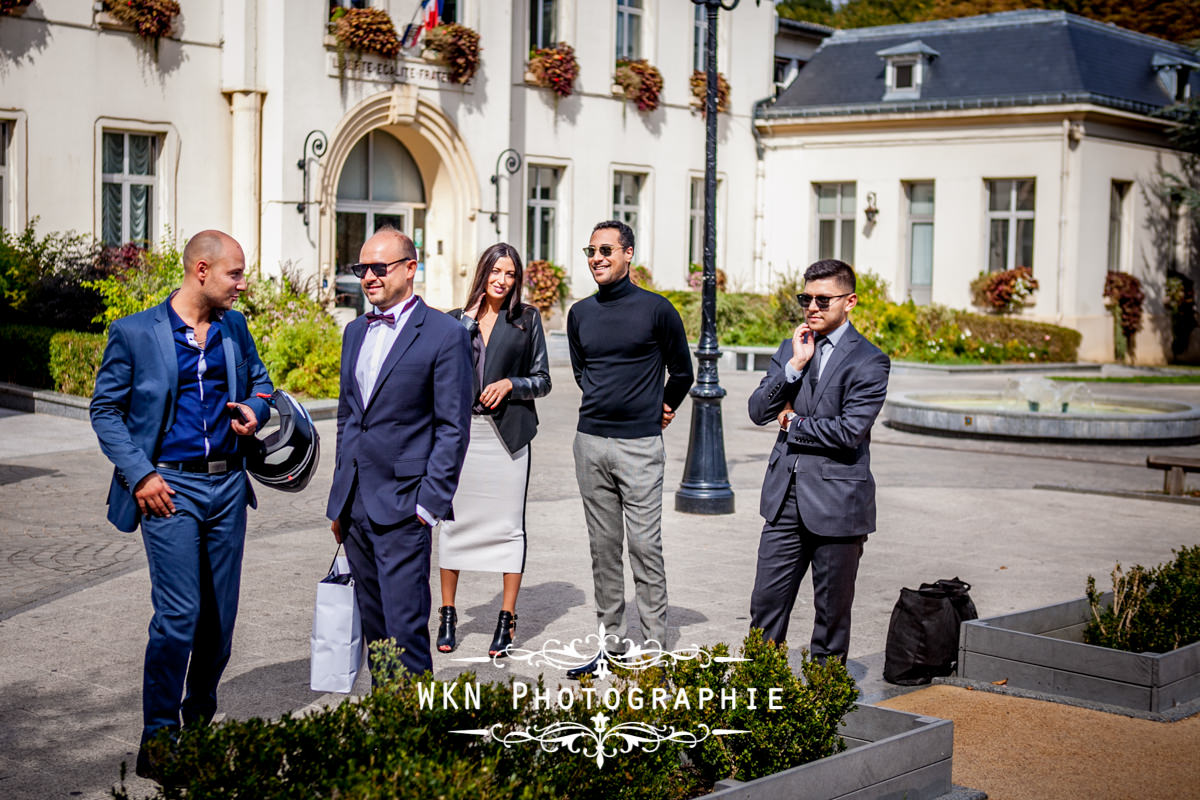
(606, 250)
(822, 300)
(359, 269)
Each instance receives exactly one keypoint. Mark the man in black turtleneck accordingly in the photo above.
(621, 340)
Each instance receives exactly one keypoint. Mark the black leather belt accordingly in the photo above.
(216, 466)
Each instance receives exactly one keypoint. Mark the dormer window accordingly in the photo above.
(907, 68)
(1174, 74)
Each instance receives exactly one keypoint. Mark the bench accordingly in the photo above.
(1174, 468)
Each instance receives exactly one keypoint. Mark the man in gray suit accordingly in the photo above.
(824, 388)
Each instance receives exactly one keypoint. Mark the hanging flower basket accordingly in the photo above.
(367, 30)
(13, 6)
(555, 68)
(152, 19)
(641, 82)
(459, 47)
(699, 85)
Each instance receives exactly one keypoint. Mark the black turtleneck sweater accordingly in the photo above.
(621, 339)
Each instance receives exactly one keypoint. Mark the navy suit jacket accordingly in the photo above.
(406, 442)
(826, 450)
(133, 405)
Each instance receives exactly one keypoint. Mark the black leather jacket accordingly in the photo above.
(517, 351)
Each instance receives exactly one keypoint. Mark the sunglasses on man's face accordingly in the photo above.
(823, 300)
(360, 269)
(606, 250)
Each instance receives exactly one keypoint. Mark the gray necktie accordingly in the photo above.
(824, 347)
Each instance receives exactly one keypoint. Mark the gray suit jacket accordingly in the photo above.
(826, 450)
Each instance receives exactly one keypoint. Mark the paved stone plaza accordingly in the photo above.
(74, 592)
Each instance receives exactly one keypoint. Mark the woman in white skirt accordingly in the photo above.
(511, 369)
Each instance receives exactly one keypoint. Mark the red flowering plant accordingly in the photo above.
(546, 285)
(9, 6)
(459, 47)
(150, 18)
(1004, 292)
(699, 84)
(641, 82)
(1123, 295)
(555, 68)
(367, 30)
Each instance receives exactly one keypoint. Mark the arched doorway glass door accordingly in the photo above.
(379, 185)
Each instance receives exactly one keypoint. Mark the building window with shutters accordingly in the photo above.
(5, 183)
(541, 213)
(128, 187)
(1010, 218)
(835, 221)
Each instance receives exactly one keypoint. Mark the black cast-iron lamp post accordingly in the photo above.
(705, 486)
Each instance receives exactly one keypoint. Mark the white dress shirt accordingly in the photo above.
(820, 357)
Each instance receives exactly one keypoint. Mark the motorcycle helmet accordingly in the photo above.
(287, 457)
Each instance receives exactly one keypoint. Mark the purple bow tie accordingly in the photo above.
(389, 318)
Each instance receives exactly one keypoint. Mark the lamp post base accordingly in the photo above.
(705, 486)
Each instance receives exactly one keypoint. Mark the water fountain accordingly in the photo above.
(1034, 408)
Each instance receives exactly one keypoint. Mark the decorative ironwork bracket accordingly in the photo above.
(511, 164)
(315, 143)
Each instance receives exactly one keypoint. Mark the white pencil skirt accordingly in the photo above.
(488, 530)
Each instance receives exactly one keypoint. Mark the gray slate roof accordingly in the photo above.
(1010, 58)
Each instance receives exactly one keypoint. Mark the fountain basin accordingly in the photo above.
(990, 416)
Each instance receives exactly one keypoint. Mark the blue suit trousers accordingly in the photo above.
(195, 558)
(390, 564)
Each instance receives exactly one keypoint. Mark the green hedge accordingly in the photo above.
(74, 361)
(45, 358)
(905, 331)
(385, 745)
(25, 355)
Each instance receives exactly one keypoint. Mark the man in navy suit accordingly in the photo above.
(824, 388)
(176, 395)
(404, 418)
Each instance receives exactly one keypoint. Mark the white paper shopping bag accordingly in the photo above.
(337, 646)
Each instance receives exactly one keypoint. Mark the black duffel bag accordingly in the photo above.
(922, 640)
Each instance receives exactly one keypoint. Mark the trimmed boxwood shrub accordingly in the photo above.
(1153, 610)
(74, 361)
(384, 745)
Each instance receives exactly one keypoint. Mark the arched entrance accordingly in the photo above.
(397, 158)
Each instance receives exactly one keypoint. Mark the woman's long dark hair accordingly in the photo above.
(512, 300)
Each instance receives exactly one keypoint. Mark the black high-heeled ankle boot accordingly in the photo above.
(446, 641)
(505, 626)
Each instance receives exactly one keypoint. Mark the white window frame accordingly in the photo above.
(621, 210)
(623, 18)
(1119, 193)
(838, 217)
(644, 230)
(923, 295)
(5, 170)
(532, 204)
(1013, 216)
(166, 165)
(699, 37)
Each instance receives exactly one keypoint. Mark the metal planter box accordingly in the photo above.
(890, 754)
(1042, 650)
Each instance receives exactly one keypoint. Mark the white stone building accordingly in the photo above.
(106, 133)
(930, 152)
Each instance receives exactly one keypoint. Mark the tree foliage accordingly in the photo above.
(1174, 20)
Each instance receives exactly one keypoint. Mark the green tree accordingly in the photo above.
(1174, 20)
(820, 11)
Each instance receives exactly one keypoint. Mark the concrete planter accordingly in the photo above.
(890, 754)
(1042, 650)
